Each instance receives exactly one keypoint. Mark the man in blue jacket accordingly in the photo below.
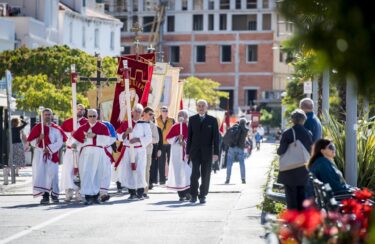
(312, 122)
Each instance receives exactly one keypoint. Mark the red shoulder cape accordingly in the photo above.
(99, 129)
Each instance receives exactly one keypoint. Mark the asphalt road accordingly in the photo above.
(229, 216)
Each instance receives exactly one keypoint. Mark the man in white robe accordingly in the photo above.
(132, 174)
(107, 172)
(46, 157)
(179, 170)
(71, 156)
(148, 114)
(93, 137)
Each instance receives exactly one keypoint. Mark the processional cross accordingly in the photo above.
(98, 79)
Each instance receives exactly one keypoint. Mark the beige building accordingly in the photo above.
(234, 42)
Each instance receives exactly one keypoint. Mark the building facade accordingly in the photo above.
(80, 24)
(234, 42)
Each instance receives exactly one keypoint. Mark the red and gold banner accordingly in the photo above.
(140, 74)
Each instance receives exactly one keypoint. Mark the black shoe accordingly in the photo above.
(145, 196)
(188, 196)
(202, 200)
(132, 197)
(105, 198)
(193, 199)
(243, 181)
(96, 201)
(227, 182)
(181, 199)
(162, 183)
(55, 199)
(140, 197)
(119, 187)
(44, 201)
(150, 186)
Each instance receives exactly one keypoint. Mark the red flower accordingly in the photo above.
(363, 194)
(309, 220)
(289, 216)
(351, 206)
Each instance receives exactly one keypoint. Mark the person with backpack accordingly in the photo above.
(235, 138)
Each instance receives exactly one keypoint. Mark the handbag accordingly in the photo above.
(295, 156)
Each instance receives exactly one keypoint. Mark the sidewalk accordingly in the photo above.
(23, 181)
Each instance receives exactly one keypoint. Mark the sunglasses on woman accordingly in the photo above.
(331, 147)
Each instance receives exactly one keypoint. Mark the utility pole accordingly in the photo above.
(351, 166)
(315, 93)
(325, 96)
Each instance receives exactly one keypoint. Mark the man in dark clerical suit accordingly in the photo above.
(202, 148)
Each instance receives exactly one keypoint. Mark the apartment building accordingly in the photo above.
(234, 42)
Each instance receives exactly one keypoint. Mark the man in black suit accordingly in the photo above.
(203, 148)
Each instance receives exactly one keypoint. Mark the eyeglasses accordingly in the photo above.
(151, 114)
(164, 111)
(91, 116)
(331, 147)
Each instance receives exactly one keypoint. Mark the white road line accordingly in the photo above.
(39, 226)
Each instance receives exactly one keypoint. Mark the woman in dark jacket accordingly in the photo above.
(295, 180)
(323, 167)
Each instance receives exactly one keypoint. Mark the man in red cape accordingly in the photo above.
(46, 157)
(179, 171)
(92, 138)
(67, 174)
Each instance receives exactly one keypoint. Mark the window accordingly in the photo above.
(244, 22)
(112, 44)
(147, 23)
(135, 19)
(124, 21)
(238, 4)
(198, 22)
(198, 4)
(252, 22)
(201, 54)
(122, 6)
(281, 56)
(266, 23)
(224, 4)
(83, 36)
(223, 22)
(135, 5)
(96, 44)
(184, 5)
(171, 5)
(226, 54)
(250, 96)
(211, 4)
(170, 23)
(210, 22)
(175, 54)
(252, 53)
(251, 4)
(125, 50)
(150, 5)
(265, 4)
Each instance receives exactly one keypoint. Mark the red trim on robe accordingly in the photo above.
(67, 125)
(99, 129)
(35, 133)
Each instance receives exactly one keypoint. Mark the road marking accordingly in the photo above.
(39, 226)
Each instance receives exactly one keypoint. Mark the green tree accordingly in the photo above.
(340, 32)
(34, 91)
(42, 76)
(196, 88)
